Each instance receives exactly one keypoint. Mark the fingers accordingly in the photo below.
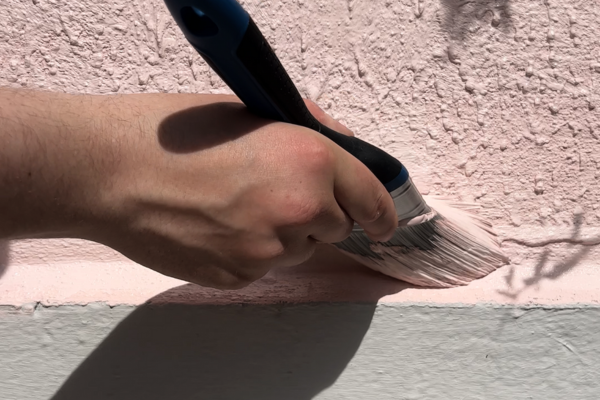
(334, 225)
(327, 119)
(363, 197)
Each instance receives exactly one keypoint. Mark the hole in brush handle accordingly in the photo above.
(261, 61)
(198, 23)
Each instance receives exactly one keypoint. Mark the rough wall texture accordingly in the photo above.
(491, 101)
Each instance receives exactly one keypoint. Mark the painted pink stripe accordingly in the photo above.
(37, 274)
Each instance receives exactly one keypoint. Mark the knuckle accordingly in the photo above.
(342, 231)
(299, 250)
(316, 155)
(266, 252)
(336, 229)
(303, 254)
(347, 230)
(232, 282)
(377, 209)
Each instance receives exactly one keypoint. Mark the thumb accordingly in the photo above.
(326, 119)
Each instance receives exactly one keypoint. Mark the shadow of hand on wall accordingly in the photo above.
(189, 343)
(3, 257)
(544, 269)
(206, 126)
(463, 18)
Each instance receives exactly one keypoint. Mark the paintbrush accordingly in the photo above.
(439, 246)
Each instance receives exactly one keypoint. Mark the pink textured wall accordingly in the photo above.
(492, 101)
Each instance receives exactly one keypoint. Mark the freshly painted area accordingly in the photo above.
(329, 276)
(495, 102)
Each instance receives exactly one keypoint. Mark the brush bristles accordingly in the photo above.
(449, 247)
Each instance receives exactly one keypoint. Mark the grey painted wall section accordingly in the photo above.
(299, 352)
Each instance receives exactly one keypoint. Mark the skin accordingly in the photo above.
(192, 186)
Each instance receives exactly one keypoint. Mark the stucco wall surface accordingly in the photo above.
(486, 101)
(491, 101)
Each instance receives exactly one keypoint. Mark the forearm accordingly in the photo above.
(46, 179)
(62, 155)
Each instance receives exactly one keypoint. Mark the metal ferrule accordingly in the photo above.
(408, 202)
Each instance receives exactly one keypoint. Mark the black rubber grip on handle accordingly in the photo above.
(260, 60)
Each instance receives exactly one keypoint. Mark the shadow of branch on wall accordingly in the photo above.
(464, 18)
(3, 257)
(182, 346)
(544, 268)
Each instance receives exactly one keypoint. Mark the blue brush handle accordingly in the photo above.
(231, 43)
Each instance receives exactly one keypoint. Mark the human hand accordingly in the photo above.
(198, 188)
